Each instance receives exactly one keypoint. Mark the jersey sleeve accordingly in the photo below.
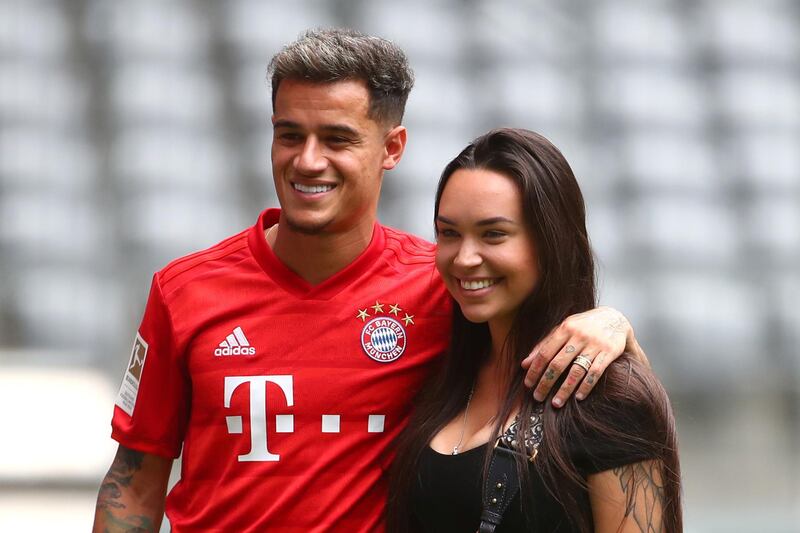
(151, 409)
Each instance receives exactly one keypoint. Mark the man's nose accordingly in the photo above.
(310, 160)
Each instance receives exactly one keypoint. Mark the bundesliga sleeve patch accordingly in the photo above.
(129, 390)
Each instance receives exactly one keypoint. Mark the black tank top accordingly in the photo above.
(446, 496)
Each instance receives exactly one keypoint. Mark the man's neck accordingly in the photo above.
(316, 258)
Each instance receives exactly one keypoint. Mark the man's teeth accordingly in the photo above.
(312, 189)
(477, 284)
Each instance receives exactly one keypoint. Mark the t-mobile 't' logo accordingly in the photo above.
(258, 413)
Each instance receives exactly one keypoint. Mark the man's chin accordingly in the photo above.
(306, 227)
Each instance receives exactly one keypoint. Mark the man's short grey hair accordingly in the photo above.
(329, 55)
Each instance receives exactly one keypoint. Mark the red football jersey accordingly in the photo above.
(285, 396)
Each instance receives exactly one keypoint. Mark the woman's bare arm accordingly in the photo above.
(131, 496)
(628, 499)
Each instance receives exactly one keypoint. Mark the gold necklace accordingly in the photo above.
(464, 423)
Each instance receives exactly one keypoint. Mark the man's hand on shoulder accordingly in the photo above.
(596, 337)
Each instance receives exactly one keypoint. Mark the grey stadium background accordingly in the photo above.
(132, 132)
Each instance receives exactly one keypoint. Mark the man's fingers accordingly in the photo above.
(529, 358)
(599, 365)
(542, 354)
(575, 375)
(554, 370)
(538, 362)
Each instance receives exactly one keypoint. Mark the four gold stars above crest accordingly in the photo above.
(395, 310)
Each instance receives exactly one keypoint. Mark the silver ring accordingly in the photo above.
(583, 362)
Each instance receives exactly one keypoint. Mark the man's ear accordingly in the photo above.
(394, 145)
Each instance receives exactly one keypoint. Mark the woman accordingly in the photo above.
(514, 253)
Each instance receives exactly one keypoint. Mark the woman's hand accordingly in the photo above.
(600, 336)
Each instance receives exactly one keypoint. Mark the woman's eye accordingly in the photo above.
(446, 233)
(494, 234)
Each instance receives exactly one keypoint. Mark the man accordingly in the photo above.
(284, 359)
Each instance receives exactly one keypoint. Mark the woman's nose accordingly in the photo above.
(468, 255)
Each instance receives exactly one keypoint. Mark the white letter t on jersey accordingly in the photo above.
(258, 412)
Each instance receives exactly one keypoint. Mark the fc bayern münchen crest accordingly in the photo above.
(384, 338)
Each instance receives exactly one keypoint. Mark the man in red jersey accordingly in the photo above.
(282, 361)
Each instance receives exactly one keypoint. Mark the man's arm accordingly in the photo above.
(131, 496)
(601, 335)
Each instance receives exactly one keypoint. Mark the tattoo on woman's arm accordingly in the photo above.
(643, 486)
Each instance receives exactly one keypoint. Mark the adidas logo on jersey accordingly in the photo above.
(235, 344)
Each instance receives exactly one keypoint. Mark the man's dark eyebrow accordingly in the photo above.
(330, 128)
(283, 123)
(340, 128)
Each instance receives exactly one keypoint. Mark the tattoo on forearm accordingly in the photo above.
(126, 463)
(129, 524)
(643, 486)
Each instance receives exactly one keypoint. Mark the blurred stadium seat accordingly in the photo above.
(654, 32)
(37, 30)
(682, 230)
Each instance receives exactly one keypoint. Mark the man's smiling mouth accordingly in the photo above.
(312, 189)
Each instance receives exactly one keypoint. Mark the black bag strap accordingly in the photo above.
(502, 481)
(500, 488)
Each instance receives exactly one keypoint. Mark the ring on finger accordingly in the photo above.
(583, 362)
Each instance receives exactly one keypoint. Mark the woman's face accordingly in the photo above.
(485, 251)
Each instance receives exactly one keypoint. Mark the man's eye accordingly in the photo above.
(290, 137)
(338, 140)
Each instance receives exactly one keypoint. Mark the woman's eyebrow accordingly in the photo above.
(484, 222)
(493, 220)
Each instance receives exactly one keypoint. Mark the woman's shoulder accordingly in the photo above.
(627, 387)
(627, 418)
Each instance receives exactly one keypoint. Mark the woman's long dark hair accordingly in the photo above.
(555, 216)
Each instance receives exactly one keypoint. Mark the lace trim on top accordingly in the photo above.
(533, 437)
